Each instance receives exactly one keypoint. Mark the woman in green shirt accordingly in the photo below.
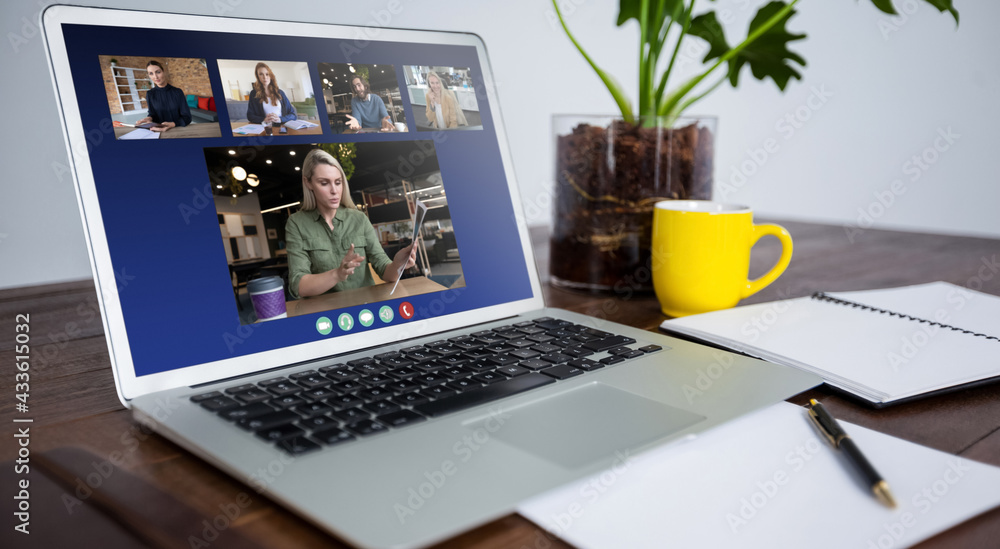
(328, 235)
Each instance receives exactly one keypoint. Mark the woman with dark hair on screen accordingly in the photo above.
(267, 103)
(442, 105)
(325, 236)
(167, 105)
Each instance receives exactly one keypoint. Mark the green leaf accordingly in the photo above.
(941, 5)
(768, 56)
(707, 27)
(632, 9)
(885, 6)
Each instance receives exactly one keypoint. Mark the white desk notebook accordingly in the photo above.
(882, 345)
(767, 480)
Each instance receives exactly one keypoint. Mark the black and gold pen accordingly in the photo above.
(840, 440)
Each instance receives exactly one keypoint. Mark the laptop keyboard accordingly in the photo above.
(309, 410)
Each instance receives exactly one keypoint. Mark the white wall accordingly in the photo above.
(889, 98)
(241, 71)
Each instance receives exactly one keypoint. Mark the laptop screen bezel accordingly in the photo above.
(127, 383)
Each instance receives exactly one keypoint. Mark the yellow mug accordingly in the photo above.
(701, 255)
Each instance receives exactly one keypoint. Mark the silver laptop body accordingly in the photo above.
(426, 482)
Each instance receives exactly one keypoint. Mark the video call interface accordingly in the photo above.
(264, 191)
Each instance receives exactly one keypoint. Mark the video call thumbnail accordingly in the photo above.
(443, 98)
(269, 97)
(159, 97)
(318, 227)
(362, 98)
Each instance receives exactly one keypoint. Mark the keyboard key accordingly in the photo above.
(348, 386)
(632, 354)
(480, 366)
(599, 333)
(344, 401)
(464, 384)
(410, 399)
(488, 338)
(512, 370)
(454, 360)
(475, 397)
(298, 445)
(468, 344)
(541, 338)
(370, 369)
(413, 349)
(403, 373)
(439, 391)
(532, 330)
(366, 427)
(613, 359)
(332, 436)
(403, 386)
(313, 382)
(552, 324)
(286, 402)
(650, 348)
(478, 354)
(432, 366)
(313, 409)
(281, 432)
(577, 352)
(421, 356)
(400, 418)
(487, 378)
(253, 395)
(273, 381)
(498, 347)
(448, 350)
(534, 364)
(524, 324)
(556, 358)
(332, 368)
(397, 362)
(250, 410)
(457, 372)
(205, 396)
(317, 423)
(377, 379)
(585, 364)
(503, 360)
(240, 388)
(541, 319)
(525, 354)
(381, 407)
(545, 348)
(372, 394)
(319, 394)
(284, 388)
(268, 421)
(608, 343)
(351, 414)
(360, 361)
(562, 371)
(343, 375)
(430, 380)
(303, 375)
(520, 343)
(390, 354)
(560, 334)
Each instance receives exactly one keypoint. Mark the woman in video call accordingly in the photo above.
(268, 104)
(167, 105)
(328, 235)
(442, 106)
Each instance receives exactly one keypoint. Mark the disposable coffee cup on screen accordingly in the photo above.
(268, 297)
(400, 127)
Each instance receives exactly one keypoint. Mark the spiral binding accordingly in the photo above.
(822, 296)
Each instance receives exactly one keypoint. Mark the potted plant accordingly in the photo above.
(611, 170)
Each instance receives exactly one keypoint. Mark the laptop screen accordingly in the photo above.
(261, 191)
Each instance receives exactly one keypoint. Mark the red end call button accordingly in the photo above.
(406, 310)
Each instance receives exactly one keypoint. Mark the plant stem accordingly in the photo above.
(613, 87)
(669, 108)
(698, 97)
(677, 47)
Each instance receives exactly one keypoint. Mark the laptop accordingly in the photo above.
(389, 419)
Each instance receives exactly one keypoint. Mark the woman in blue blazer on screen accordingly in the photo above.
(267, 103)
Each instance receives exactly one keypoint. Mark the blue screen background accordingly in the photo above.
(174, 283)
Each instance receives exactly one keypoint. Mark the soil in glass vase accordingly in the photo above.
(609, 174)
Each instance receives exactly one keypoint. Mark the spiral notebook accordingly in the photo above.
(884, 346)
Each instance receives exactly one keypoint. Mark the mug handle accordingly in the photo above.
(764, 229)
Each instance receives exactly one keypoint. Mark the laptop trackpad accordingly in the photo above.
(590, 424)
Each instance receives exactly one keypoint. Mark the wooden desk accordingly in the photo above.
(315, 130)
(203, 129)
(360, 296)
(73, 399)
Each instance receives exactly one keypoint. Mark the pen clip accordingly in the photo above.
(815, 421)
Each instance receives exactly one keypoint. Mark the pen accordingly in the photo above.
(841, 441)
